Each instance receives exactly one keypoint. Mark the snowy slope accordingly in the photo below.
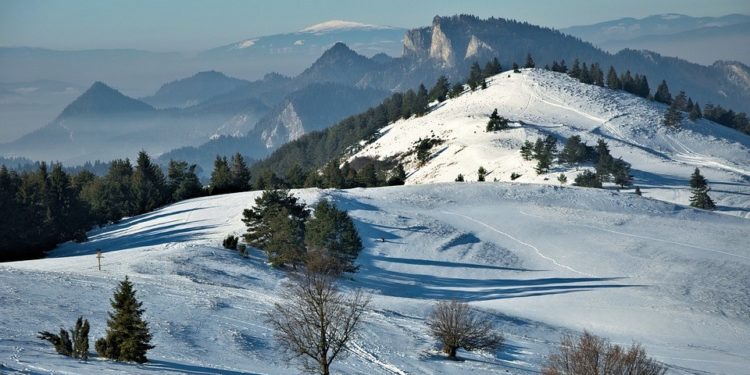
(544, 260)
(540, 102)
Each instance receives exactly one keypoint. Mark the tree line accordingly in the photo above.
(50, 206)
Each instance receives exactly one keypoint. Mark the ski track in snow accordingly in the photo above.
(645, 237)
(536, 249)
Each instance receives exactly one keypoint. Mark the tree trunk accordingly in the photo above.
(450, 351)
(324, 368)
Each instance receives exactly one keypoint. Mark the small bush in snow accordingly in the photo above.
(457, 326)
(594, 355)
(514, 176)
(230, 242)
(75, 344)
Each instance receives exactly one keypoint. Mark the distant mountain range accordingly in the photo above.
(698, 39)
(210, 113)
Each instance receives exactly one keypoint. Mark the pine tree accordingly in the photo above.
(421, 102)
(672, 117)
(527, 150)
(575, 70)
(439, 92)
(544, 161)
(459, 178)
(700, 189)
(563, 67)
(475, 76)
(295, 176)
(456, 90)
(148, 184)
(481, 174)
(332, 232)
(240, 174)
(128, 337)
(285, 242)
(574, 151)
(182, 181)
(695, 113)
(585, 76)
(613, 81)
(680, 101)
(588, 179)
(621, 173)
(515, 68)
(268, 204)
(638, 191)
(221, 177)
(492, 68)
(529, 61)
(605, 161)
(398, 176)
(662, 94)
(408, 102)
(496, 122)
(562, 179)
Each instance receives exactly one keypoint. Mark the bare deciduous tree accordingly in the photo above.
(317, 320)
(592, 355)
(456, 325)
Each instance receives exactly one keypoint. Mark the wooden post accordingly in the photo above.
(99, 258)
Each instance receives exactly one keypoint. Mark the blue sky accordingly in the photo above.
(178, 25)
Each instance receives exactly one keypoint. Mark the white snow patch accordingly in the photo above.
(246, 43)
(337, 25)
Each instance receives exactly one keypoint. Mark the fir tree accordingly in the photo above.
(492, 68)
(421, 102)
(527, 150)
(496, 122)
(481, 174)
(295, 176)
(680, 101)
(398, 176)
(544, 161)
(128, 337)
(221, 177)
(515, 68)
(475, 76)
(574, 151)
(621, 173)
(695, 113)
(285, 243)
(562, 179)
(529, 61)
(588, 179)
(439, 92)
(240, 174)
(662, 94)
(408, 103)
(332, 232)
(700, 189)
(148, 184)
(575, 70)
(267, 205)
(673, 116)
(456, 90)
(613, 81)
(605, 161)
(459, 178)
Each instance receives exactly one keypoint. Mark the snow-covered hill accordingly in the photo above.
(540, 102)
(544, 260)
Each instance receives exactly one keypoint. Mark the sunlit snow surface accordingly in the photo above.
(540, 102)
(543, 260)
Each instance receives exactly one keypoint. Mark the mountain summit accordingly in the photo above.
(101, 99)
(340, 25)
